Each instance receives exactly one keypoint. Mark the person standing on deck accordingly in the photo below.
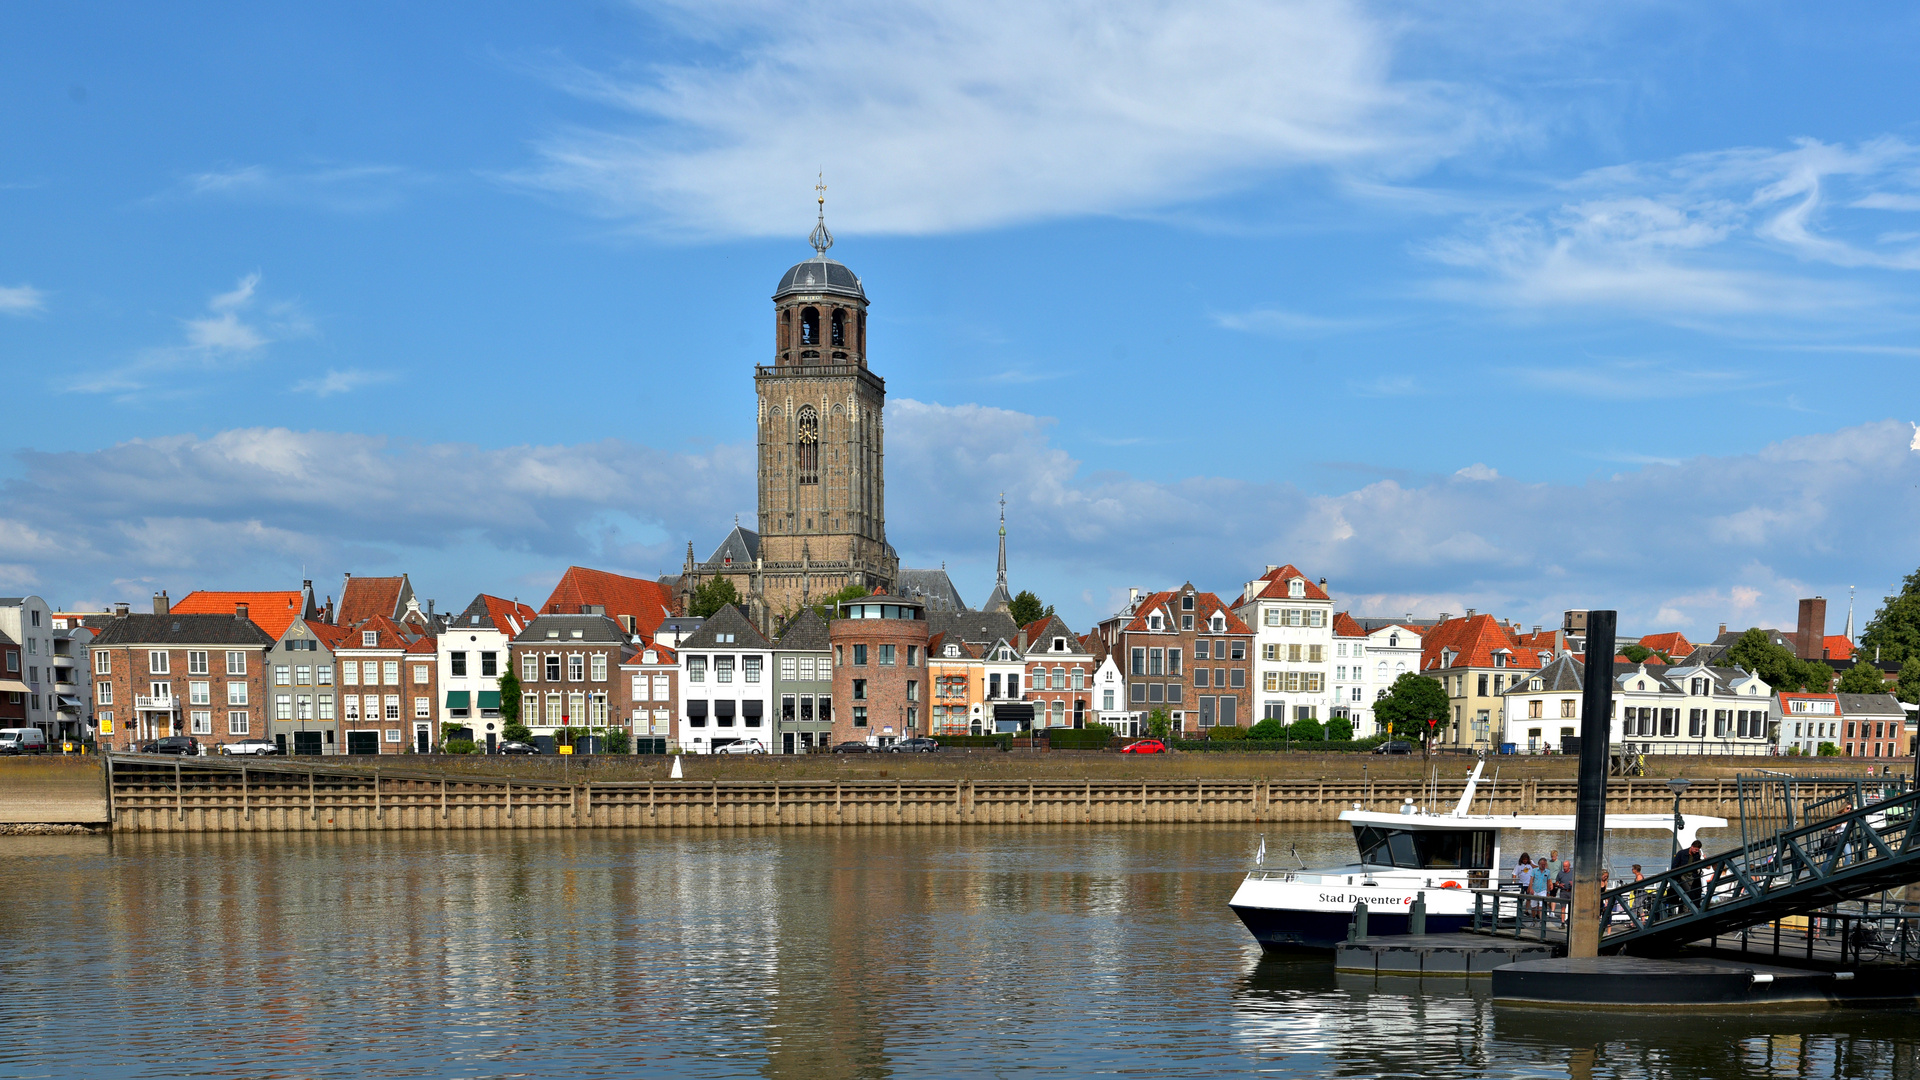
(1523, 873)
(1563, 885)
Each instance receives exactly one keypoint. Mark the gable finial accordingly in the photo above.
(820, 238)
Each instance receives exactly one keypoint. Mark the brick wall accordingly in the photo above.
(890, 690)
(131, 674)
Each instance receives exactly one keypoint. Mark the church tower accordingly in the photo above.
(823, 520)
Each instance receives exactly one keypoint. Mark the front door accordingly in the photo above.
(423, 742)
(304, 742)
(361, 742)
(786, 742)
(280, 740)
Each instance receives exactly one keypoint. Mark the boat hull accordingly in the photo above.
(1283, 930)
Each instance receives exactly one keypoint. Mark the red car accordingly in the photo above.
(1145, 746)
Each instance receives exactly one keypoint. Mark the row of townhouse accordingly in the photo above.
(44, 679)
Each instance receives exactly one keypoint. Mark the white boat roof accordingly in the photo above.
(1525, 822)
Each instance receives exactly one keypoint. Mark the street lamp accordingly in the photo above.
(1679, 785)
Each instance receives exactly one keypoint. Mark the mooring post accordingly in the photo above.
(1417, 914)
(1358, 928)
(1590, 805)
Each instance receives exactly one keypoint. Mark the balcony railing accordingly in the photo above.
(151, 703)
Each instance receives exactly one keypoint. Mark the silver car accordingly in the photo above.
(255, 747)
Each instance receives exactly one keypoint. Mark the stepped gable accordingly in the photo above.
(648, 603)
(272, 611)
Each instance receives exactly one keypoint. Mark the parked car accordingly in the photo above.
(518, 748)
(743, 746)
(256, 747)
(173, 744)
(1145, 746)
(1394, 746)
(919, 744)
(23, 740)
(854, 747)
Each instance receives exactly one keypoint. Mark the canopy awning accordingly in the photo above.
(15, 685)
(457, 699)
(71, 702)
(489, 699)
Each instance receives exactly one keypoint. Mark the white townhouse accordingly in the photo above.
(473, 652)
(1807, 720)
(1110, 699)
(1293, 648)
(726, 684)
(1685, 709)
(1368, 655)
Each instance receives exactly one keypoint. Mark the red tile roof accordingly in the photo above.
(1838, 647)
(365, 597)
(648, 602)
(1276, 585)
(1474, 641)
(392, 635)
(272, 612)
(509, 616)
(1344, 626)
(1204, 605)
(1673, 644)
(326, 633)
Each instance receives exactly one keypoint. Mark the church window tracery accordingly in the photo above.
(806, 451)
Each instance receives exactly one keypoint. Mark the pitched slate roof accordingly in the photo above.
(932, 588)
(363, 598)
(805, 632)
(736, 552)
(1565, 674)
(977, 627)
(647, 602)
(728, 620)
(273, 612)
(177, 628)
(594, 629)
(1274, 586)
(1873, 704)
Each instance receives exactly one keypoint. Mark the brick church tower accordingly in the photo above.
(823, 519)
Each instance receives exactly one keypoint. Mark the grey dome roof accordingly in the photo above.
(820, 275)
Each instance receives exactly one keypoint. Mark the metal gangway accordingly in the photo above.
(1839, 849)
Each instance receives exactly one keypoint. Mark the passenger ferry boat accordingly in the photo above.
(1402, 855)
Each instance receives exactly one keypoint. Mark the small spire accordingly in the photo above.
(820, 238)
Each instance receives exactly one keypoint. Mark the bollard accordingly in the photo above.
(1417, 915)
(1357, 929)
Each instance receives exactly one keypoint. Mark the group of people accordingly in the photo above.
(1541, 878)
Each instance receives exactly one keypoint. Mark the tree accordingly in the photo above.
(1026, 608)
(711, 595)
(1908, 689)
(1415, 708)
(1158, 725)
(509, 699)
(1339, 729)
(1306, 731)
(1864, 678)
(1636, 653)
(1776, 665)
(1894, 631)
(829, 608)
(1271, 728)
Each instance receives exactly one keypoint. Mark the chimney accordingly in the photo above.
(1023, 641)
(429, 609)
(240, 612)
(1469, 613)
(1323, 584)
(161, 605)
(120, 611)
(1812, 631)
(1443, 616)
(1536, 628)
(1271, 568)
(1723, 630)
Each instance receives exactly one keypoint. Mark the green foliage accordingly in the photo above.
(1274, 746)
(1339, 729)
(1271, 728)
(1411, 701)
(1026, 608)
(1158, 726)
(1636, 653)
(1827, 749)
(711, 595)
(509, 700)
(1227, 733)
(447, 730)
(1001, 741)
(1909, 686)
(1091, 737)
(515, 732)
(1895, 628)
(461, 746)
(1863, 678)
(1777, 665)
(1306, 731)
(829, 608)
(618, 741)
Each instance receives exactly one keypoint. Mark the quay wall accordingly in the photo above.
(199, 795)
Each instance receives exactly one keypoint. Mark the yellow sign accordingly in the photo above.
(106, 725)
(566, 749)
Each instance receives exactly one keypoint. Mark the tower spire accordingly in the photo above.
(1001, 579)
(820, 238)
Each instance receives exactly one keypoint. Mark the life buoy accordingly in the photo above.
(1449, 884)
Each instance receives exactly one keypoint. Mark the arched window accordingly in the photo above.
(810, 327)
(1393, 640)
(1380, 669)
(839, 329)
(860, 341)
(806, 446)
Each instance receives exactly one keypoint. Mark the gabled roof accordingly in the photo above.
(273, 612)
(592, 630)
(932, 588)
(736, 552)
(1674, 644)
(1871, 704)
(664, 655)
(937, 648)
(1272, 585)
(978, 627)
(728, 620)
(1473, 640)
(325, 633)
(1837, 647)
(181, 628)
(363, 598)
(1344, 626)
(805, 632)
(492, 613)
(1564, 675)
(392, 634)
(647, 602)
(1167, 603)
(1041, 632)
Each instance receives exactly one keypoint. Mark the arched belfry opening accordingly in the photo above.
(806, 446)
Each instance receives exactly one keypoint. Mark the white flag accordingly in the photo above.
(1260, 858)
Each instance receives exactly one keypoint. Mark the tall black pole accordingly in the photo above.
(1590, 810)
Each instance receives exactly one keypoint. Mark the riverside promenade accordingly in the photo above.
(135, 793)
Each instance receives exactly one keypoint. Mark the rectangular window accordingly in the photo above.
(489, 665)
(1237, 679)
(786, 708)
(1156, 661)
(790, 667)
(1139, 693)
(553, 667)
(1173, 661)
(196, 662)
(599, 667)
(236, 723)
(913, 690)
(1319, 618)
(1270, 651)
(859, 689)
(1139, 662)
(859, 716)
(1273, 616)
(390, 672)
(1270, 682)
(913, 656)
(859, 656)
(1533, 708)
(202, 723)
(324, 674)
(1696, 723)
(237, 693)
(283, 707)
(157, 662)
(1313, 681)
(529, 667)
(660, 688)
(393, 706)
(420, 674)
(350, 672)
(1316, 654)
(105, 691)
(750, 668)
(326, 706)
(1156, 693)
(102, 662)
(886, 656)
(1200, 677)
(303, 707)
(393, 734)
(1293, 682)
(696, 669)
(1566, 708)
(199, 693)
(1200, 649)
(1720, 723)
(457, 664)
(1294, 654)
(577, 667)
(723, 669)
(1483, 686)
(1206, 712)
(806, 669)
(1174, 691)
(236, 663)
(303, 675)
(282, 675)
(422, 708)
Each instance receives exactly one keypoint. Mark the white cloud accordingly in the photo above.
(21, 300)
(228, 334)
(936, 117)
(346, 189)
(341, 382)
(1711, 539)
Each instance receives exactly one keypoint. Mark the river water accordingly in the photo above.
(925, 952)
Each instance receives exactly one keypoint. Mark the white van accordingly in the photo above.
(23, 740)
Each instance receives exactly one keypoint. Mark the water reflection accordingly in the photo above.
(777, 953)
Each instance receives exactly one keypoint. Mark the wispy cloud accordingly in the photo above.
(228, 334)
(1282, 323)
(954, 117)
(1629, 380)
(21, 300)
(342, 189)
(341, 382)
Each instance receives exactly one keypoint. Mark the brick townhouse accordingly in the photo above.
(1059, 674)
(178, 674)
(388, 675)
(650, 677)
(1184, 651)
(879, 670)
(569, 667)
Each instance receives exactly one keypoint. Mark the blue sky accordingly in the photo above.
(1509, 306)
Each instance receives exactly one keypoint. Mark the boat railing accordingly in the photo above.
(1519, 913)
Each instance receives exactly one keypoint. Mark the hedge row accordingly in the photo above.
(1311, 746)
(1001, 742)
(1078, 738)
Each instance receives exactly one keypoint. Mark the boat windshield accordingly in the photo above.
(1426, 849)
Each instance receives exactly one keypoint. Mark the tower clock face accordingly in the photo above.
(807, 435)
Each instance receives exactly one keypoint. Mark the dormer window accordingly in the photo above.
(369, 638)
(1500, 658)
(476, 620)
(1153, 622)
(1006, 655)
(1059, 644)
(1186, 602)
(553, 633)
(1219, 624)
(951, 651)
(1297, 587)
(1446, 657)
(650, 657)
(1537, 684)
